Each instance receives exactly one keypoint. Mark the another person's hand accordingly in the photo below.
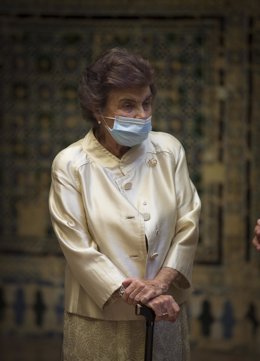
(256, 239)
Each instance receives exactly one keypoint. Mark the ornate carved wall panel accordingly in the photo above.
(42, 62)
(208, 76)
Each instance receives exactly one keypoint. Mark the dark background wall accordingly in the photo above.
(207, 59)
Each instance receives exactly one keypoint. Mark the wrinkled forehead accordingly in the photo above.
(139, 94)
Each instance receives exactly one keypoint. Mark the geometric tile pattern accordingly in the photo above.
(208, 77)
(41, 66)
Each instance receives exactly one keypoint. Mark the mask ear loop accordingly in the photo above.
(106, 125)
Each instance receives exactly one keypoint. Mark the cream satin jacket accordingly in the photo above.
(119, 218)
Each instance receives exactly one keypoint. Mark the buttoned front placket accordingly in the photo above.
(131, 175)
(152, 228)
(129, 185)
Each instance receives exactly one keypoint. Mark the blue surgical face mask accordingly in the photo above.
(130, 131)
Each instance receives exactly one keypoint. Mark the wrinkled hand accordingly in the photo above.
(256, 239)
(138, 290)
(165, 308)
(151, 294)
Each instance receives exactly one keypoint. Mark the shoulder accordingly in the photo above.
(70, 157)
(165, 142)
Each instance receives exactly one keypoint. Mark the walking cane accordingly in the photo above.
(149, 315)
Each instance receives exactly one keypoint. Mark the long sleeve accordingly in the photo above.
(94, 271)
(182, 251)
(119, 218)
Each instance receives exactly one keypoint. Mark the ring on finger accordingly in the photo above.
(164, 314)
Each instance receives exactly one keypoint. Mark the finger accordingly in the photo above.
(127, 282)
(133, 297)
(146, 294)
(132, 290)
(150, 291)
(256, 243)
(257, 229)
(163, 315)
(159, 307)
(165, 308)
(173, 311)
(155, 306)
(130, 284)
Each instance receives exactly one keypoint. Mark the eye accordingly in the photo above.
(147, 104)
(128, 106)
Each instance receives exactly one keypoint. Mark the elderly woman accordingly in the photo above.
(126, 215)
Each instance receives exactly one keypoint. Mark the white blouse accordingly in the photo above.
(119, 218)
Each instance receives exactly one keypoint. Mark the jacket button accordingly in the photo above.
(128, 186)
(146, 216)
(152, 162)
(154, 255)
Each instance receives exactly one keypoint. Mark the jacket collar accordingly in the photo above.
(99, 154)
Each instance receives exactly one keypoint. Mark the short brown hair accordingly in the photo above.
(117, 68)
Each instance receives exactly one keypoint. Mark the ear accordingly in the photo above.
(98, 116)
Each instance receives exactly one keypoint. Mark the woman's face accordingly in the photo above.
(131, 102)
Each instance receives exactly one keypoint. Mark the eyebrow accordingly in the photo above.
(134, 100)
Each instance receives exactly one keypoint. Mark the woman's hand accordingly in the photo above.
(143, 291)
(150, 293)
(139, 290)
(165, 308)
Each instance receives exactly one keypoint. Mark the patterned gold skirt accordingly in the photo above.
(88, 339)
